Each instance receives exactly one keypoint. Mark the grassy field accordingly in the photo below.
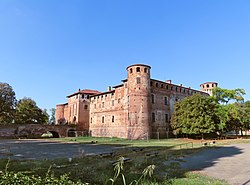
(164, 154)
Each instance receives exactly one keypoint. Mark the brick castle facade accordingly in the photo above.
(139, 107)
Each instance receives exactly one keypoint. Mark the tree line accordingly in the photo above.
(224, 111)
(23, 111)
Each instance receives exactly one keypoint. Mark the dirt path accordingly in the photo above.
(43, 149)
(231, 163)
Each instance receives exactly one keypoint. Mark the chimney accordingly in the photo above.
(109, 88)
(169, 81)
(79, 90)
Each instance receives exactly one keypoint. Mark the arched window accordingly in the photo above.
(113, 119)
(138, 69)
(131, 70)
(103, 119)
(145, 70)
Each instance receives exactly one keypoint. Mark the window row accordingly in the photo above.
(165, 99)
(102, 105)
(103, 119)
(172, 88)
(154, 118)
(138, 69)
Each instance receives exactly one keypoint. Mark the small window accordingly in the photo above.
(166, 100)
(102, 104)
(103, 119)
(138, 69)
(119, 100)
(153, 117)
(151, 83)
(113, 119)
(95, 106)
(85, 107)
(166, 86)
(153, 98)
(161, 85)
(156, 85)
(138, 80)
(91, 120)
(88, 96)
(82, 96)
(145, 70)
(113, 102)
(131, 70)
(207, 85)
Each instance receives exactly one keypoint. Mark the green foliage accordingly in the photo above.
(194, 115)
(7, 103)
(224, 96)
(27, 112)
(119, 167)
(19, 178)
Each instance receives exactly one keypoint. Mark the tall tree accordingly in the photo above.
(27, 112)
(194, 115)
(52, 119)
(7, 103)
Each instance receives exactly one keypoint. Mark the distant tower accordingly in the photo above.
(138, 96)
(208, 87)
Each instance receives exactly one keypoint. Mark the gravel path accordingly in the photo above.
(231, 163)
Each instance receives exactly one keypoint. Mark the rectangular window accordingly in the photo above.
(95, 106)
(85, 107)
(113, 119)
(138, 80)
(153, 98)
(165, 100)
(119, 100)
(103, 119)
(166, 118)
(102, 104)
(153, 117)
(113, 102)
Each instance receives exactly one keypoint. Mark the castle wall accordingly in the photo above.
(60, 114)
(163, 97)
(108, 114)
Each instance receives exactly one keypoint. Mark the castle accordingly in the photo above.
(139, 107)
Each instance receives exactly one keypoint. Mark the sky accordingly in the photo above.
(51, 48)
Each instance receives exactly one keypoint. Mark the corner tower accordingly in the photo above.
(138, 101)
(208, 87)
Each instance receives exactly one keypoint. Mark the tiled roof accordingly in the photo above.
(85, 91)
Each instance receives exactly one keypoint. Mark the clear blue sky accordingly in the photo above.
(50, 48)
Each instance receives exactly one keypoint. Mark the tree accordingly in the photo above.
(27, 112)
(224, 96)
(194, 115)
(7, 103)
(52, 119)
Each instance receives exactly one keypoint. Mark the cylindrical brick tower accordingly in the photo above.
(208, 87)
(139, 96)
